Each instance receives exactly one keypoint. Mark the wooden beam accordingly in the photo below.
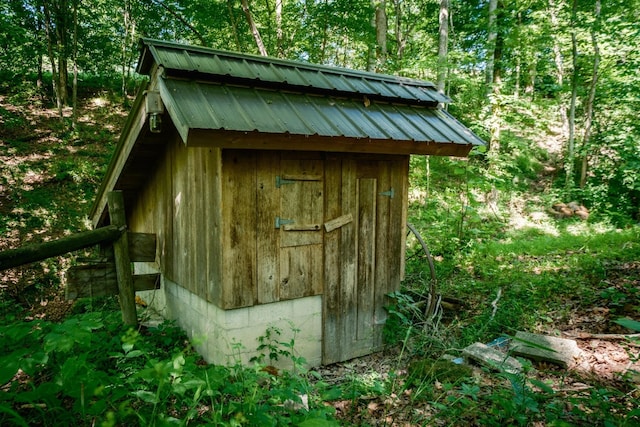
(40, 251)
(261, 141)
(142, 246)
(115, 201)
(100, 279)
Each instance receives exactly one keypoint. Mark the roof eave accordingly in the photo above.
(257, 141)
(128, 138)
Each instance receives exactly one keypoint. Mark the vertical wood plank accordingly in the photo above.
(199, 221)
(115, 201)
(366, 257)
(348, 289)
(180, 220)
(385, 258)
(192, 221)
(268, 203)
(213, 210)
(331, 318)
(239, 229)
(300, 271)
(165, 197)
(402, 177)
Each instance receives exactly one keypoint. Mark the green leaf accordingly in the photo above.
(16, 419)
(317, 422)
(8, 367)
(146, 396)
(542, 385)
(333, 393)
(628, 323)
(134, 353)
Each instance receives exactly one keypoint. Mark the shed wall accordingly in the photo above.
(180, 203)
(214, 213)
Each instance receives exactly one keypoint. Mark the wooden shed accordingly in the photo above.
(277, 191)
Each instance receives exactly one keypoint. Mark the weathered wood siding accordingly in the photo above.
(215, 213)
(364, 258)
(181, 205)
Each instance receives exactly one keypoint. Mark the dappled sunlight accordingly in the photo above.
(99, 102)
(538, 221)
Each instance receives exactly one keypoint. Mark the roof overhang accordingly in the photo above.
(202, 106)
(227, 100)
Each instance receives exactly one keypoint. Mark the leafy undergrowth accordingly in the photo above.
(89, 370)
(503, 263)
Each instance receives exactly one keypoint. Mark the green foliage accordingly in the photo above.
(89, 369)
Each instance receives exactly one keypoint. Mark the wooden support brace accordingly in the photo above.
(40, 251)
(115, 201)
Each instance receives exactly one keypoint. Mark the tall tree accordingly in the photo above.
(443, 44)
(569, 161)
(592, 94)
(492, 36)
(554, 11)
(254, 28)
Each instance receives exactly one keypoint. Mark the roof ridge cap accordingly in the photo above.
(308, 66)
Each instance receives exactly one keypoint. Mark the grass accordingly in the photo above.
(502, 259)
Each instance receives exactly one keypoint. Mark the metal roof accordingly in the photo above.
(178, 59)
(207, 89)
(212, 106)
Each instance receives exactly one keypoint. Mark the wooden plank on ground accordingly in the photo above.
(492, 358)
(561, 351)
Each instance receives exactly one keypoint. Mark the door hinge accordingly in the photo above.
(389, 193)
(280, 221)
(281, 181)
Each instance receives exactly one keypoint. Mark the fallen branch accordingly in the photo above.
(610, 337)
(494, 303)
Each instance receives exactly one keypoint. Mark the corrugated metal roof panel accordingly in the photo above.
(260, 70)
(202, 105)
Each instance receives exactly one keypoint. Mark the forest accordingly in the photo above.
(537, 231)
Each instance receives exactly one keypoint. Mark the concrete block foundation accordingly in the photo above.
(228, 337)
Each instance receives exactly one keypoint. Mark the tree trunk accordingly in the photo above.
(74, 96)
(381, 34)
(279, 31)
(126, 14)
(254, 29)
(182, 20)
(592, 96)
(531, 79)
(48, 24)
(495, 85)
(559, 62)
(492, 35)
(234, 26)
(443, 44)
(570, 151)
(378, 52)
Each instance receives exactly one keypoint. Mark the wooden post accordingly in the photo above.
(115, 201)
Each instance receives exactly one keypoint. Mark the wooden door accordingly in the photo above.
(363, 258)
(301, 213)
